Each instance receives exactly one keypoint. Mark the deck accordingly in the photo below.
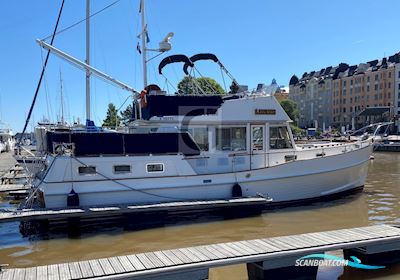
(93, 212)
(189, 263)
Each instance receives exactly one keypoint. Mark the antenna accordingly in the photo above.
(62, 98)
(164, 45)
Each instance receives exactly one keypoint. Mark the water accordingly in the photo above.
(378, 203)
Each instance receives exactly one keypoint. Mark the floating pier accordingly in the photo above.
(252, 203)
(269, 258)
(14, 188)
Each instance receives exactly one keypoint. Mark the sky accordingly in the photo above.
(256, 40)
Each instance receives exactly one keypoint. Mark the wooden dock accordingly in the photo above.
(194, 262)
(14, 187)
(98, 212)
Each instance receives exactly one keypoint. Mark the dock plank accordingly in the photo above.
(63, 271)
(52, 272)
(30, 273)
(126, 264)
(106, 266)
(170, 255)
(75, 270)
(155, 260)
(136, 262)
(145, 261)
(86, 269)
(96, 268)
(7, 274)
(167, 261)
(116, 264)
(41, 272)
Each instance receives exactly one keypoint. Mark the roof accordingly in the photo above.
(374, 111)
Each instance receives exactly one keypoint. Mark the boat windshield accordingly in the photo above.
(279, 138)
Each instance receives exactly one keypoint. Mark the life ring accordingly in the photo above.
(143, 98)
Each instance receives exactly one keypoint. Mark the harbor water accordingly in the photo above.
(378, 203)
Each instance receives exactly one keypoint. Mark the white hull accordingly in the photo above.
(292, 181)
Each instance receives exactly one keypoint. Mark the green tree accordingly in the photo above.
(290, 108)
(203, 85)
(127, 114)
(112, 119)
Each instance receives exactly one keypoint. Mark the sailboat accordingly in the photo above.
(192, 147)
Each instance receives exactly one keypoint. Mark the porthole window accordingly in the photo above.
(155, 167)
(125, 168)
(87, 170)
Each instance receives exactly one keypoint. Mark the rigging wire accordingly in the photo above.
(223, 79)
(42, 74)
(46, 90)
(82, 20)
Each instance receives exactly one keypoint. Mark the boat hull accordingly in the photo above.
(308, 179)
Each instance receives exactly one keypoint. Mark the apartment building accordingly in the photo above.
(348, 96)
(313, 96)
(396, 59)
(367, 85)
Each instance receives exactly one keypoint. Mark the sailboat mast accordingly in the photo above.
(87, 59)
(62, 99)
(144, 38)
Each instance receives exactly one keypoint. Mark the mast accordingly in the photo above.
(62, 99)
(144, 38)
(87, 59)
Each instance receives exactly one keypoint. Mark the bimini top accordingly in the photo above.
(196, 57)
(214, 109)
(181, 105)
(174, 59)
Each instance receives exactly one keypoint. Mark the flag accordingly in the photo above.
(147, 37)
(138, 48)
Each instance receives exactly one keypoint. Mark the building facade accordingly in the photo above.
(339, 97)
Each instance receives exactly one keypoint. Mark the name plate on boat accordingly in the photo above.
(265, 111)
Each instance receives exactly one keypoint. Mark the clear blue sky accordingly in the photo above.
(256, 40)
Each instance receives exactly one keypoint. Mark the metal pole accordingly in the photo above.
(144, 38)
(83, 65)
(62, 99)
(87, 59)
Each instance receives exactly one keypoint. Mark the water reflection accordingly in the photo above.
(378, 203)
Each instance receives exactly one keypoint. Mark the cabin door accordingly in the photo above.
(257, 146)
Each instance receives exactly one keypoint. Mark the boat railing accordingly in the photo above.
(242, 161)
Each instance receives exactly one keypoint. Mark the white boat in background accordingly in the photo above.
(7, 141)
(192, 147)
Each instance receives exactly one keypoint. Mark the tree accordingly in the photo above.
(127, 114)
(290, 108)
(112, 119)
(203, 85)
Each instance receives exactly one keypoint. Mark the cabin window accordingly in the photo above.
(87, 170)
(119, 169)
(200, 136)
(231, 139)
(155, 167)
(257, 138)
(279, 138)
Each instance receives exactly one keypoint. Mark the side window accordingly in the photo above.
(279, 138)
(87, 170)
(155, 167)
(120, 169)
(231, 139)
(200, 136)
(257, 138)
